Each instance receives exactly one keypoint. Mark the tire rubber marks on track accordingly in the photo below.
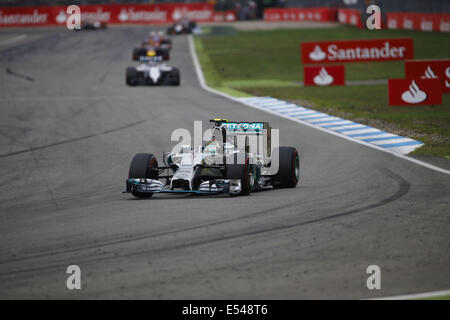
(13, 73)
(403, 187)
(12, 40)
(72, 140)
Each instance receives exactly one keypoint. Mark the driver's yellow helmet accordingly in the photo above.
(151, 53)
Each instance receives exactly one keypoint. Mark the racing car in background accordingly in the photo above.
(152, 71)
(147, 51)
(92, 25)
(182, 26)
(159, 39)
(213, 167)
(157, 43)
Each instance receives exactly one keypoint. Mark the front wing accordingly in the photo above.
(151, 186)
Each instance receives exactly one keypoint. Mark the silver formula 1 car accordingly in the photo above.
(182, 26)
(152, 71)
(221, 165)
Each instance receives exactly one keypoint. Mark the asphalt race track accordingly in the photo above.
(69, 127)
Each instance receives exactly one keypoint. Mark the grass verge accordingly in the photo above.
(267, 63)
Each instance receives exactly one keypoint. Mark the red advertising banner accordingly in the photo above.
(419, 21)
(300, 14)
(430, 69)
(410, 92)
(350, 16)
(324, 75)
(357, 50)
(27, 16)
(110, 14)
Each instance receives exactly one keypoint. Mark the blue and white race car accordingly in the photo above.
(152, 71)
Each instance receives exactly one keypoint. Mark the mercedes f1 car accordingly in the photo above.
(152, 71)
(219, 166)
(182, 26)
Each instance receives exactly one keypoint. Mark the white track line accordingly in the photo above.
(349, 126)
(12, 40)
(201, 80)
(288, 109)
(299, 113)
(399, 140)
(320, 122)
(423, 295)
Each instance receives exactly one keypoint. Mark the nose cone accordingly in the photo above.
(155, 74)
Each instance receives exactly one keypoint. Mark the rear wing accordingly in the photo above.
(156, 58)
(261, 130)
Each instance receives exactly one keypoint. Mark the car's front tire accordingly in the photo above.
(245, 173)
(143, 166)
(131, 76)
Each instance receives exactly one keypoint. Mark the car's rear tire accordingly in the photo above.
(143, 166)
(164, 53)
(167, 43)
(288, 173)
(175, 76)
(135, 54)
(131, 76)
(139, 52)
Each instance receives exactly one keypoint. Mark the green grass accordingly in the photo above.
(267, 63)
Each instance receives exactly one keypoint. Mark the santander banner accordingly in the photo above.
(410, 92)
(26, 16)
(324, 75)
(430, 69)
(113, 14)
(357, 50)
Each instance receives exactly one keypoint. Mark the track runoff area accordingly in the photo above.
(355, 206)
